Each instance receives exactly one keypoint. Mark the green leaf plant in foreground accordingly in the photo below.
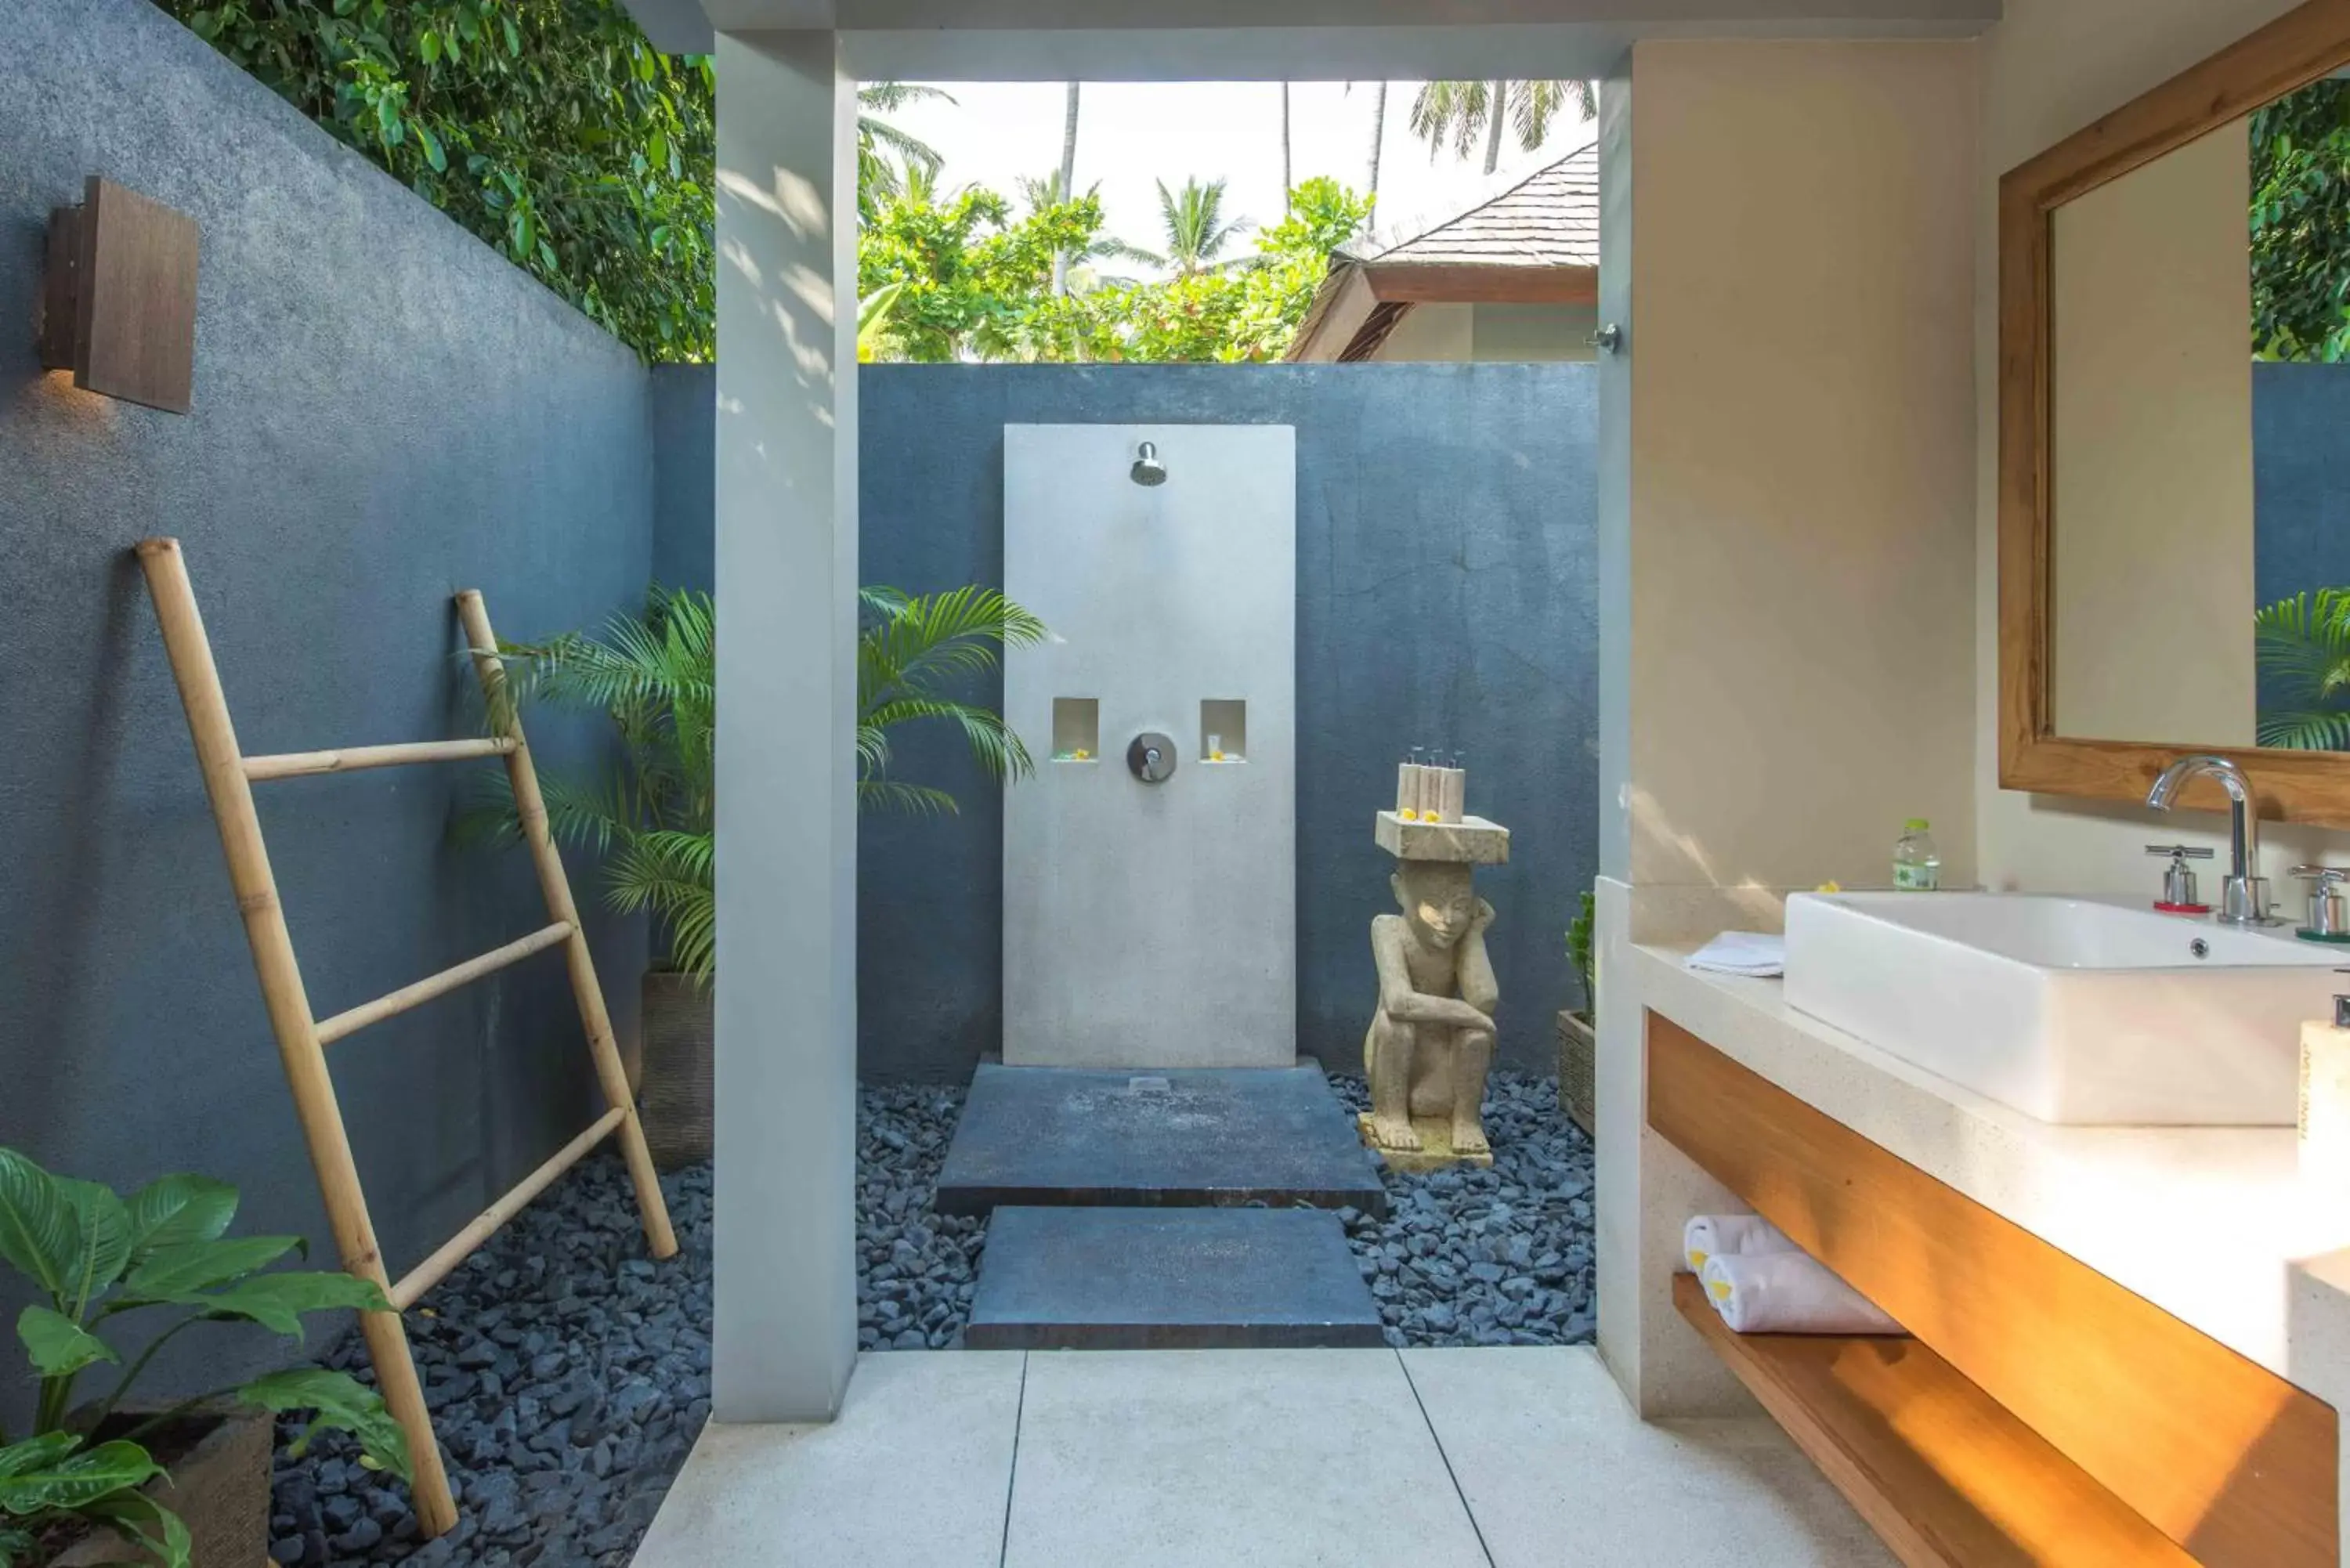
(159, 1262)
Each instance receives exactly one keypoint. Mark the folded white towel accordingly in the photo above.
(1751, 953)
(1749, 1234)
(1787, 1292)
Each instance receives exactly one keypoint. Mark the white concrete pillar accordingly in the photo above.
(786, 559)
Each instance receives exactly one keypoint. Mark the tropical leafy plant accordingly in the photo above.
(550, 127)
(2301, 224)
(655, 673)
(914, 652)
(651, 817)
(1578, 950)
(92, 1257)
(970, 273)
(1193, 222)
(1463, 114)
(2303, 649)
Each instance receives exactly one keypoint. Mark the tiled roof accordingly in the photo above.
(1550, 219)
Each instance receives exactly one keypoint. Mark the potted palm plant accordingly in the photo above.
(1578, 1035)
(186, 1486)
(654, 673)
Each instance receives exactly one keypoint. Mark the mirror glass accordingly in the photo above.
(2199, 440)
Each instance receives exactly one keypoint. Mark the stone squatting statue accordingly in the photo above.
(1432, 1041)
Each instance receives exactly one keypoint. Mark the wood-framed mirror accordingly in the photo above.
(2174, 408)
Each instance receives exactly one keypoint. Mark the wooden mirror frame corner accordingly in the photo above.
(2305, 44)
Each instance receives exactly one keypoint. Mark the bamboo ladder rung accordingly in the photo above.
(352, 1020)
(352, 759)
(458, 1247)
(228, 777)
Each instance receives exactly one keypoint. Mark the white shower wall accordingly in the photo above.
(1152, 925)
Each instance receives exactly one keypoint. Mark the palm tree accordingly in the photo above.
(1465, 113)
(1068, 179)
(1197, 235)
(1287, 183)
(879, 180)
(1378, 138)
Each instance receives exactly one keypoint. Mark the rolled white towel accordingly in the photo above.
(1745, 1234)
(1787, 1292)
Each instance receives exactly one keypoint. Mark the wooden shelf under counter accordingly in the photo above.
(1940, 1470)
(2124, 1405)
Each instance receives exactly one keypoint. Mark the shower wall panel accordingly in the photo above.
(1153, 924)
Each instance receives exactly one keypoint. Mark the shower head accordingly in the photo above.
(1148, 469)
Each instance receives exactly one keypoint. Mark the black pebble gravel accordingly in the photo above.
(915, 1269)
(569, 1375)
(1498, 1256)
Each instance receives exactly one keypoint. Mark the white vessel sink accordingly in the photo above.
(2069, 1009)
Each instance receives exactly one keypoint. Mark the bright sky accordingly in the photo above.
(1130, 134)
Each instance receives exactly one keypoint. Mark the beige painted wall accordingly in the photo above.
(1512, 334)
(1530, 334)
(1801, 492)
(2152, 412)
(2050, 68)
(1433, 334)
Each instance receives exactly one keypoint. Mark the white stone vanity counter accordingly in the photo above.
(2207, 1223)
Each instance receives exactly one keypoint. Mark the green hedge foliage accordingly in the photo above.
(549, 128)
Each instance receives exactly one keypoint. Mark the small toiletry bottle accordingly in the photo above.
(1454, 786)
(1917, 864)
(1411, 788)
(2325, 1096)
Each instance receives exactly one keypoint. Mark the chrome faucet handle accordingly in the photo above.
(2326, 916)
(2180, 851)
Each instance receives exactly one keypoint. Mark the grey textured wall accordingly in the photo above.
(1446, 580)
(385, 412)
(2301, 479)
(2301, 489)
(685, 483)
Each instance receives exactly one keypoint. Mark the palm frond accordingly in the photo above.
(2324, 729)
(913, 800)
(916, 152)
(655, 674)
(2302, 648)
(672, 874)
(887, 98)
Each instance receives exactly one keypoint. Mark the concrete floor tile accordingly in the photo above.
(914, 1471)
(1230, 1459)
(1560, 1473)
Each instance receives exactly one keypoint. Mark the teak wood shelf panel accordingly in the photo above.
(1938, 1469)
(2222, 1455)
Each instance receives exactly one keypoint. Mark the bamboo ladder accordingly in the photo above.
(302, 1038)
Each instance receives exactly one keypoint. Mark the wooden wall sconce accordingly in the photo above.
(119, 304)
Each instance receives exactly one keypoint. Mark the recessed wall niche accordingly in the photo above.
(1076, 729)
(1223, 730)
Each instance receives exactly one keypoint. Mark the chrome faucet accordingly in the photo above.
(2244, 894)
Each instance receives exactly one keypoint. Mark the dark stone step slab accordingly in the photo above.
(1168, 1278)
(1215, 1136)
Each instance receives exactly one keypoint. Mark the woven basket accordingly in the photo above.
(1578, 1058)
(219, 1488)
(677, 1101)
